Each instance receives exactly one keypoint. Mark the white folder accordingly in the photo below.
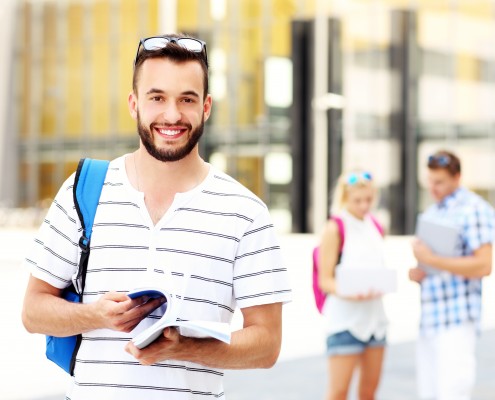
(443, 239)
(353, 281)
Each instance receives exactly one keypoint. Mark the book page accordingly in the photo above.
(195, 328)
(202, 329)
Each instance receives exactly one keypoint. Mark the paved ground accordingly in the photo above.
(305, 378)
(301, 371)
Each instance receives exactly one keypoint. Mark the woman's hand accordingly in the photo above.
(371, 295)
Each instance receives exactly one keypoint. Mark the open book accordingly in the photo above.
(217, 330)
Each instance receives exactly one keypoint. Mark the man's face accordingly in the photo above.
(169, 108)
(441, 183)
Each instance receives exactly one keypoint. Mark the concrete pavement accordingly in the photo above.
(305, 378)
(301, 370)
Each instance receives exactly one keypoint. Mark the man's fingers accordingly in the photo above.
(128, 304)
(171, 333)
(126, 315)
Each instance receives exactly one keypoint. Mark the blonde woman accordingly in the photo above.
(356, 326)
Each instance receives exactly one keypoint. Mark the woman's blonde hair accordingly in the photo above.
(356, 178)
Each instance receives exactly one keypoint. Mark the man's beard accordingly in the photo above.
(173, 154)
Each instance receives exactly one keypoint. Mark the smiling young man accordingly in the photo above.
(451, 291)
(165, 217)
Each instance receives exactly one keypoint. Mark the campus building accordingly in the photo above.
(302, 90)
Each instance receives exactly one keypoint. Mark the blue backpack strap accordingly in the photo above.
(88, 183)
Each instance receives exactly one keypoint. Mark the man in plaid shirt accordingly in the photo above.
(451, 295)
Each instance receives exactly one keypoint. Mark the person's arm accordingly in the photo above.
(329, 256)
(477, 265)
(256, 345)
(44, 311)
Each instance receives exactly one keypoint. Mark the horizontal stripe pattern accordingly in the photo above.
(214, 250)
(207, 233)
(216, 213)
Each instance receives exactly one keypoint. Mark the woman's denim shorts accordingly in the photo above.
(344, 343)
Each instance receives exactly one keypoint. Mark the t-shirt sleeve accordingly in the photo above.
(54, 254)
(479, 227)
(260, 276)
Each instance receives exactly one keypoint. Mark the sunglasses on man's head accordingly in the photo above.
(441, 160)
(159, 42)
(355, 177)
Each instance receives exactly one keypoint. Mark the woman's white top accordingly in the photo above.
(363, 247)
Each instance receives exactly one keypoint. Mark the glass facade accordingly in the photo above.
(457, 89)
(74, 67)
(411, 76)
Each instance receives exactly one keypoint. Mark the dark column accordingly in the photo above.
(334, 115)
(404, 70)
(301, 124)
(302, 135)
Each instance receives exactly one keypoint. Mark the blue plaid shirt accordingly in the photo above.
(448, 299)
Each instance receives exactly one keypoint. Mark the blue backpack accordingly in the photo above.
(88, 184)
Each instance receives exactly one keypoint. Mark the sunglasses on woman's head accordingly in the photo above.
(355, 177)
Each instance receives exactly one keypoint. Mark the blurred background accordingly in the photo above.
(302, 89)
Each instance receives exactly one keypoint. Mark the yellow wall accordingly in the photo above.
(91, 77)
(24, 72)
(49, 74)
(468, 68)
(102, 64)
(74, 55)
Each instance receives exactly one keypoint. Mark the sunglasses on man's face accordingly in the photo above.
(159, 42)
(442, 160)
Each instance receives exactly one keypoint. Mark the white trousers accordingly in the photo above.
(446, 364)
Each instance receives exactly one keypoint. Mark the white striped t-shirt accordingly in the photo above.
(219, 234)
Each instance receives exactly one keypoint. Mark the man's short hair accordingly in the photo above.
(174, 52)
(446, 160)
